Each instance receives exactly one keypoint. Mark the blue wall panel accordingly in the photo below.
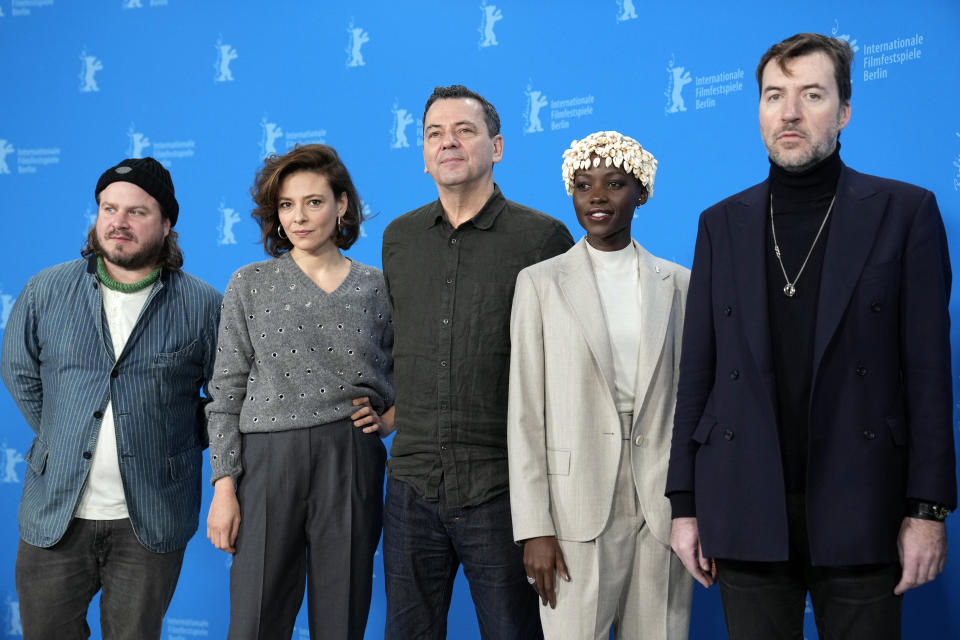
(210, 87)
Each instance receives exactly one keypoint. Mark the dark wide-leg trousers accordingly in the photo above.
(311, 503)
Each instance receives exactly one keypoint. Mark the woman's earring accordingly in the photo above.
(280, 232)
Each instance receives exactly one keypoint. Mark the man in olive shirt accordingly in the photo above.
(451, 267)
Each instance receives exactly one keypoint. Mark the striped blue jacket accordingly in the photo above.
(59, 366)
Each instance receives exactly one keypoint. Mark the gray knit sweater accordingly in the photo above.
(291, 356)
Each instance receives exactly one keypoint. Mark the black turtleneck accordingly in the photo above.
(800, 202)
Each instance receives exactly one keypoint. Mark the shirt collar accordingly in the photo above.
(484, 218)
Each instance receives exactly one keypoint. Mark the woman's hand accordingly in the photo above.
(369, 420)
(223, 520)
(543, 560)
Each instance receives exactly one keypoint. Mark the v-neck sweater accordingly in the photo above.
(291, 355)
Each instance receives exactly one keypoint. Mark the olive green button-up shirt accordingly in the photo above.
(451, 290)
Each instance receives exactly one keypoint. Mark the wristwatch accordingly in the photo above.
(927, 510)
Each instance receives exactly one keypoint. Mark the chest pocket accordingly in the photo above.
(490, 326)
(180, 373)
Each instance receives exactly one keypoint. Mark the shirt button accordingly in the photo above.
(443, 447)
(453, 241)
(443, 405)
(728, 434)
(727, 311)
(734, 374)
(449, 280)
(87, 455)
(861, 371)
(443, 363)
(98, 414)
(869, 435)
(445, 321)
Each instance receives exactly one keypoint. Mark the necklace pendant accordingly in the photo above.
(789, 290)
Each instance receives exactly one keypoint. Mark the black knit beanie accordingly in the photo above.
(149, 175)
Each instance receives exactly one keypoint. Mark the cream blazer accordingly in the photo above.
(563, 430)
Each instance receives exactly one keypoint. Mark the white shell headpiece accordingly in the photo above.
(613, 148)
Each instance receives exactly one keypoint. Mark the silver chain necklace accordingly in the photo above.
(790, 289)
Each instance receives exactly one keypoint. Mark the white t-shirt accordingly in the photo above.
(103, 497)
(618, 280)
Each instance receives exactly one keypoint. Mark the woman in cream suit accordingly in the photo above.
(595, 337)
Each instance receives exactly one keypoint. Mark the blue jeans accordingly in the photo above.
(55, 585)
(424, 543)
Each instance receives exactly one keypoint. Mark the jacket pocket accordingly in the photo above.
(185, 464)
(180, 375)
(176, 358)
(558, 462)
(704, 428)
(36, 456)
(897, 431)
(884, 271)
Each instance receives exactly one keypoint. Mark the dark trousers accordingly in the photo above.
(766, 600)
(311, 502)
(424, 543)
(55, 585)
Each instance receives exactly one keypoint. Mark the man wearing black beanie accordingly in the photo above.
(813, 440)
(105, 356)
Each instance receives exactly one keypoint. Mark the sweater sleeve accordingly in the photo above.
(228, 388)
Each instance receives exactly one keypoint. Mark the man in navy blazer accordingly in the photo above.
(813, 443)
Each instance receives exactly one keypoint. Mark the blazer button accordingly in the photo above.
(640, 441)
(728, 434)
(861, 371)
(876, 305)
(114, 374)
(734, 374)
(869, 435)
(87, 455)
(98, 414)
(727, 311)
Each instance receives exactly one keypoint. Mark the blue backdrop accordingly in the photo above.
(210, 87)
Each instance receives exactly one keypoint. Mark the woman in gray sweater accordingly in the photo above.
(302, 394)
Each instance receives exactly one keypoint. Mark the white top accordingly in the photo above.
(618, 281)
(103, 497)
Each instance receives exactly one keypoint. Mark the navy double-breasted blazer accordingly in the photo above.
(880, 415)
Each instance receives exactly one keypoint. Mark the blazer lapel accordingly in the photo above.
(656, 307)
(579, 288)
(857, 214)
(747, 223)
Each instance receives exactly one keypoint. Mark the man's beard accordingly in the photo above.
(821, 146)
(817, 151)
(147, 256)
